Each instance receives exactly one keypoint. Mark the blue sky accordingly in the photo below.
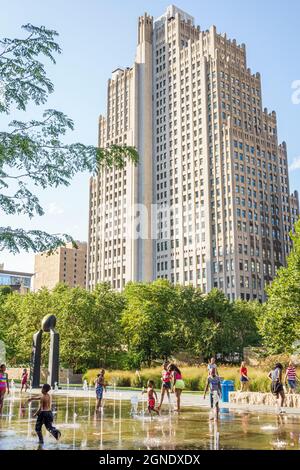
(97, 36)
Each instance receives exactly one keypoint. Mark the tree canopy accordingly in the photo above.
(34, 154)
(280, 323)
(145, 323)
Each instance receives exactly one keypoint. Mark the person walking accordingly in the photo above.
(291, 378)
(24, 380)
(214, 385)
(44, 415)
(151, 397)
(275, 375)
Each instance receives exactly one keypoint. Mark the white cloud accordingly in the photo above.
(54, 209)
(295, 165)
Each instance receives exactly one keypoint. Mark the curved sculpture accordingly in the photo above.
(48, 326)
(48, 323)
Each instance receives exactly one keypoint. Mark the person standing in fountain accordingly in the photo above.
(100, 386)
(152, 397)
(214, 385)
(24, 380)
(275, 376)
(178, 383)
(4, 385)
(44, 414)
(166, 384)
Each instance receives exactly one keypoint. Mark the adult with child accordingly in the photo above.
(178, 383)
(4, 385)
(44, 414)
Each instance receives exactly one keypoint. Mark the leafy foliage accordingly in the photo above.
(147, 322)
(34, 154)
(161, 319)
(280, 323)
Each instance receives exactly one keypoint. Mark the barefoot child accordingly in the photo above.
(166, 384)
(24, 380)
(214, 385)
(44, 414)
(152, 396)
(4, 385)
(100, 386)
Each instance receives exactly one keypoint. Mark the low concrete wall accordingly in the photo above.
(15, 373)
(258, 398)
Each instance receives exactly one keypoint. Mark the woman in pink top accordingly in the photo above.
(178, 383)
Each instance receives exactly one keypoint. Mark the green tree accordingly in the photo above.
(88, 324)
(216, 308)
(238, 327)
(280, 323)
(21, 317)
(188, 320)
(105, 337)
(33, 153)
(94, 338)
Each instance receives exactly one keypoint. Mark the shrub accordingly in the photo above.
(194, 377)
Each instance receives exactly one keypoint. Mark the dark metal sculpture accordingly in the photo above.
(48, 326)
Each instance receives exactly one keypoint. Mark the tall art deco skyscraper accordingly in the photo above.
(209, 202)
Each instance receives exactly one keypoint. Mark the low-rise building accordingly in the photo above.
(17, 281)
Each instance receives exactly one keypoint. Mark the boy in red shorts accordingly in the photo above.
(152, 396)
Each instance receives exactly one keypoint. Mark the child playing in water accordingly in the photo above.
(100, 386)
(4, 385)
(44, 414)
(152, 396)
(214, 385)
(24, 380)
(166, 383)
